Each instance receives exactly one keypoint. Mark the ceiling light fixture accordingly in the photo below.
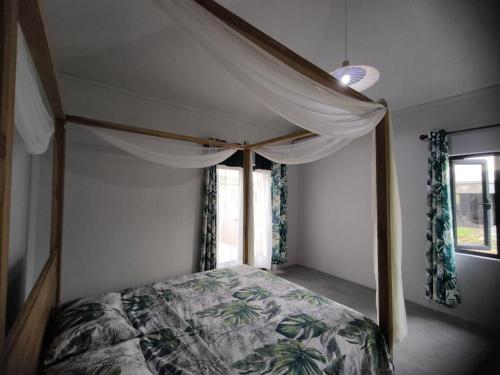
(357, 77)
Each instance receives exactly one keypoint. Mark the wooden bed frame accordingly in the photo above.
(21, 349)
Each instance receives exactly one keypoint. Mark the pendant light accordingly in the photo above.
(357, 77)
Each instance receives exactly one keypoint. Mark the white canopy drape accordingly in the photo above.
(305, 151)
(338, 119)
(399, 324)
(280, 88)
(32, 119)
(164, 152)
(400, 327)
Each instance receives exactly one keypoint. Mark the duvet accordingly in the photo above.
(239, 320)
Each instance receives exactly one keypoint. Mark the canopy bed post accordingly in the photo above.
(247, 170)
(33, 26)
(21, 349)
(58, 163)
(382, 168)
(8, 48)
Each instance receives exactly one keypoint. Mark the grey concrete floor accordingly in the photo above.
(437, 344)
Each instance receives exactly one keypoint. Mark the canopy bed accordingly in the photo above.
(330, 114)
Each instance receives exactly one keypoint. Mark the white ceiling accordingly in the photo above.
(425, 49)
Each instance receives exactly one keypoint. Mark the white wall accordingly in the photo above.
(335, 204)
(127, 221)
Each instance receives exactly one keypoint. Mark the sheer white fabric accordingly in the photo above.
(32, 119)
(229, 216)
(262, 219)
(303, 151)
(399, 323)
(279, 87)
(251, 214)
(162, 151)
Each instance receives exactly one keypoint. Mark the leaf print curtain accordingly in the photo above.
(208, 259)
(279, 190)
(441, 275)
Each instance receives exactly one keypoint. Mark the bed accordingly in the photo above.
(239, 320)
(328, 337)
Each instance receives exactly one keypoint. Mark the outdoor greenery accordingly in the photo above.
(475, 236)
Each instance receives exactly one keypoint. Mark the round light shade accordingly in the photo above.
(358, 77)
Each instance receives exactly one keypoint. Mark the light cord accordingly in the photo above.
(345, 29)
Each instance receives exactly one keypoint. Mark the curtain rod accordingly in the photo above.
(423, 137)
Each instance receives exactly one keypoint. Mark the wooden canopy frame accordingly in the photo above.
(21, 349)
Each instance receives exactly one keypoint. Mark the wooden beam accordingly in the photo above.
(278, 50)
(58, 162)
(287, 137)
(23, 345)
(384, 229)
(151, 132)
(8, 52)
(33, 25)
(247, 170)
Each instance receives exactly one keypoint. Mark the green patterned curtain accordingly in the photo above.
(441, 275)
(208, 256)
(279, 190)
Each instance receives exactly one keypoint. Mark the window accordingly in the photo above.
(474, 181)
(262, 218)
(230, 217)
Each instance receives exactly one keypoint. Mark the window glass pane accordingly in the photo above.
(474, 213)
(262, 218)
(469, 205)
(229, 216)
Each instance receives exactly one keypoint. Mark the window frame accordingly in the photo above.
(472, 249)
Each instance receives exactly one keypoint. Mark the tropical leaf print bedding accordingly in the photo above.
(241, 320)
(89, 324)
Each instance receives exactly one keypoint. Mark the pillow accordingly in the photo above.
(125, 358)
(89, 323)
